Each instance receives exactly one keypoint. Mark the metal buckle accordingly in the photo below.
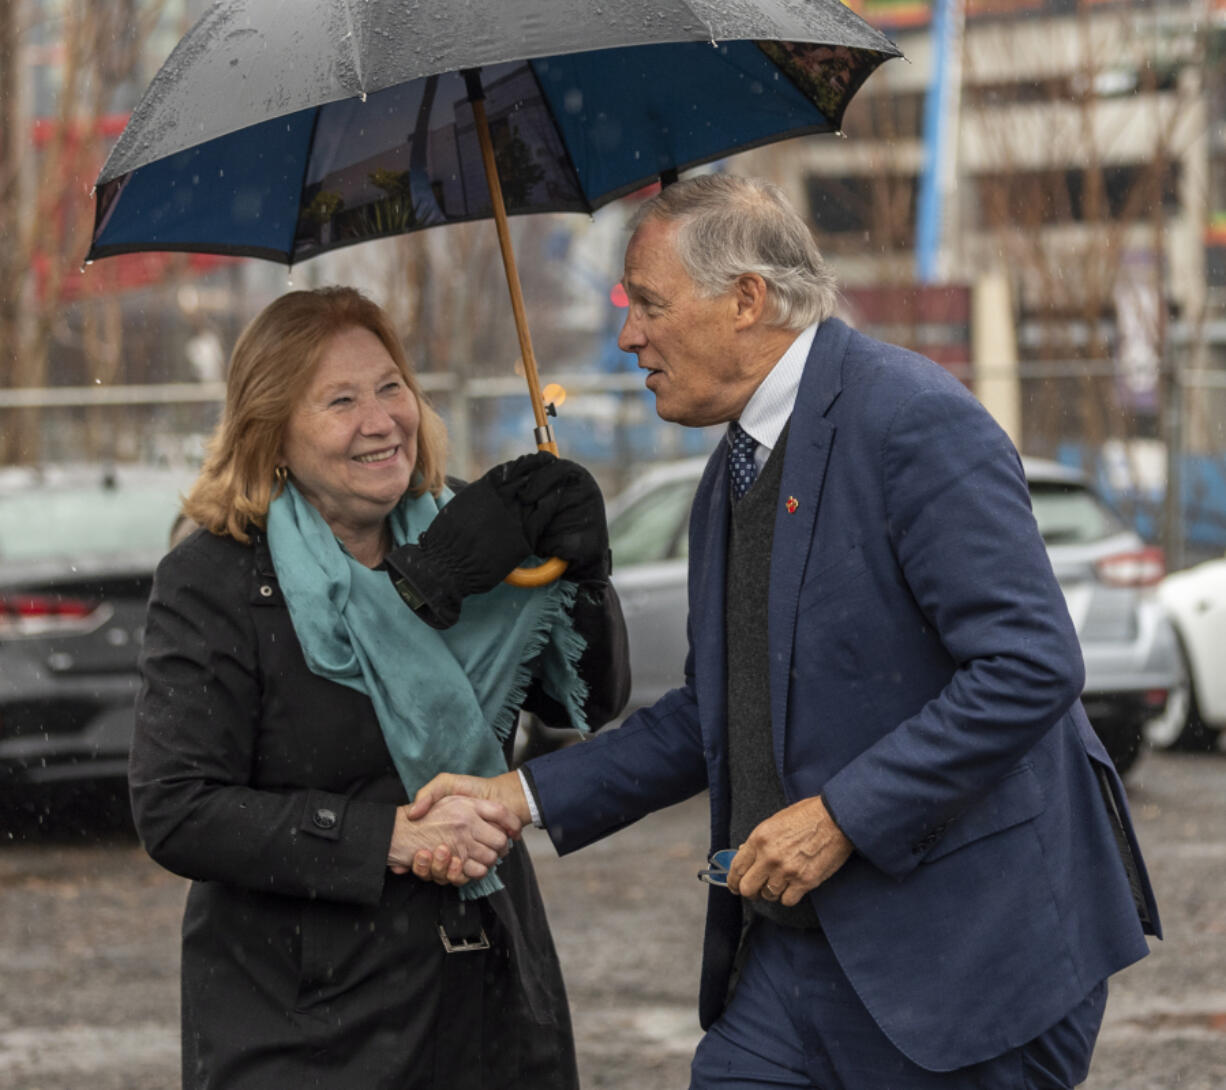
(463, 946)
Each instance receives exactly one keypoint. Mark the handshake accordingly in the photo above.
(458, 827)
(537, 505)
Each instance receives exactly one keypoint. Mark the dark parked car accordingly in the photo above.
(78, 547)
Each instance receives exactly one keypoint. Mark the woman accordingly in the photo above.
(292, 704)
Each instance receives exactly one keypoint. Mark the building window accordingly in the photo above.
(879, 206)
(1125, 192)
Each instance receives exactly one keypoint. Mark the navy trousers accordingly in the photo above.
(794, 1020)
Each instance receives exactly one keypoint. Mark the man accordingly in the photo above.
(936, 871)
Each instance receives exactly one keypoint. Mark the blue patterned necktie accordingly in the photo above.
(742, 469)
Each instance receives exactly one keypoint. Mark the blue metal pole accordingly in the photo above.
(929, 210)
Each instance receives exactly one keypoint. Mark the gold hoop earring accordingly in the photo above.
(281, 474)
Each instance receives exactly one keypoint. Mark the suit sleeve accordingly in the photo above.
(193, 751)
(653, 760)
(965, 540)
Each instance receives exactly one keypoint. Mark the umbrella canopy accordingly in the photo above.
(283, 132)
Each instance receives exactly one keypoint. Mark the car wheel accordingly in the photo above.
(1180, 725)
(1196, 735)
(1122, 739)
(1166, 729)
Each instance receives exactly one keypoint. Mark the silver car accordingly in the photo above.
(1108, 574)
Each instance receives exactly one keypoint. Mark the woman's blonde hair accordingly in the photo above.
(274, 361)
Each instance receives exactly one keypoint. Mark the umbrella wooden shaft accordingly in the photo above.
(512, 271)
(553, 567)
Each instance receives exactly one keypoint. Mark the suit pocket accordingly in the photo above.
(1018, 798)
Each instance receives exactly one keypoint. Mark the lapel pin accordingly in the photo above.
(792, 504)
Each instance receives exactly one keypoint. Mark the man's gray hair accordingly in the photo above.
(729, 226)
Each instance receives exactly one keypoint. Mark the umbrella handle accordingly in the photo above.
(553, 568)
(540, 576)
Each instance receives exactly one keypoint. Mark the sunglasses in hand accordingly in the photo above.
(716, 873)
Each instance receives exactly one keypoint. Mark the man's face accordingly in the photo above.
(689, 345)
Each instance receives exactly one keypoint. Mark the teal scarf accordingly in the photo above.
(445, 700)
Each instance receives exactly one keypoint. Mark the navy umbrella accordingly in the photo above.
(284, 130)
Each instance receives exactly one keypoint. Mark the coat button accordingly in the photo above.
(265, 591)
(324, 819)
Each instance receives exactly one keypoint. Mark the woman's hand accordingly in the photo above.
(564, 516)
(440, 865)
(466, 835)
(472, 545)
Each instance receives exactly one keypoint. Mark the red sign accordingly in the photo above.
(79, 161)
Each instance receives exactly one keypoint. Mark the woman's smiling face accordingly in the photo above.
(351, 441)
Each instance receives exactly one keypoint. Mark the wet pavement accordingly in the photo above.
(89, 948)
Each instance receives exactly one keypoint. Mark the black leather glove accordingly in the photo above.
(564, 516)
(470, 547)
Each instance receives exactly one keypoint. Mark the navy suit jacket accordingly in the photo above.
(924, 679)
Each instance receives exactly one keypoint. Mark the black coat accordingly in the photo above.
(307, 963)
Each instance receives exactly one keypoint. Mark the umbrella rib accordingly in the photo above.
(693, 11)
(569, 163)
(353, 43)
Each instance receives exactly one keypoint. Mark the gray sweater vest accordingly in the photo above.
(756, 790)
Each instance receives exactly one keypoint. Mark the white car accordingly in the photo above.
(1195, 716)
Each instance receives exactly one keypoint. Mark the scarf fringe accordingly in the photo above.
(570, 643)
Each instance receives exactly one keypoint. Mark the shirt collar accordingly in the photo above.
(770, 407)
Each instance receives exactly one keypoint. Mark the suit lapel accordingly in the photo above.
(810, 438)
(707, 592)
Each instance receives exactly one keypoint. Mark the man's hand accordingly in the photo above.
(441, 865)
(461, 838)
(789, 853)
(504, 789)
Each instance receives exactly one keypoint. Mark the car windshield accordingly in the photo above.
(67, 522)
(1070, 514)
(652, 528)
